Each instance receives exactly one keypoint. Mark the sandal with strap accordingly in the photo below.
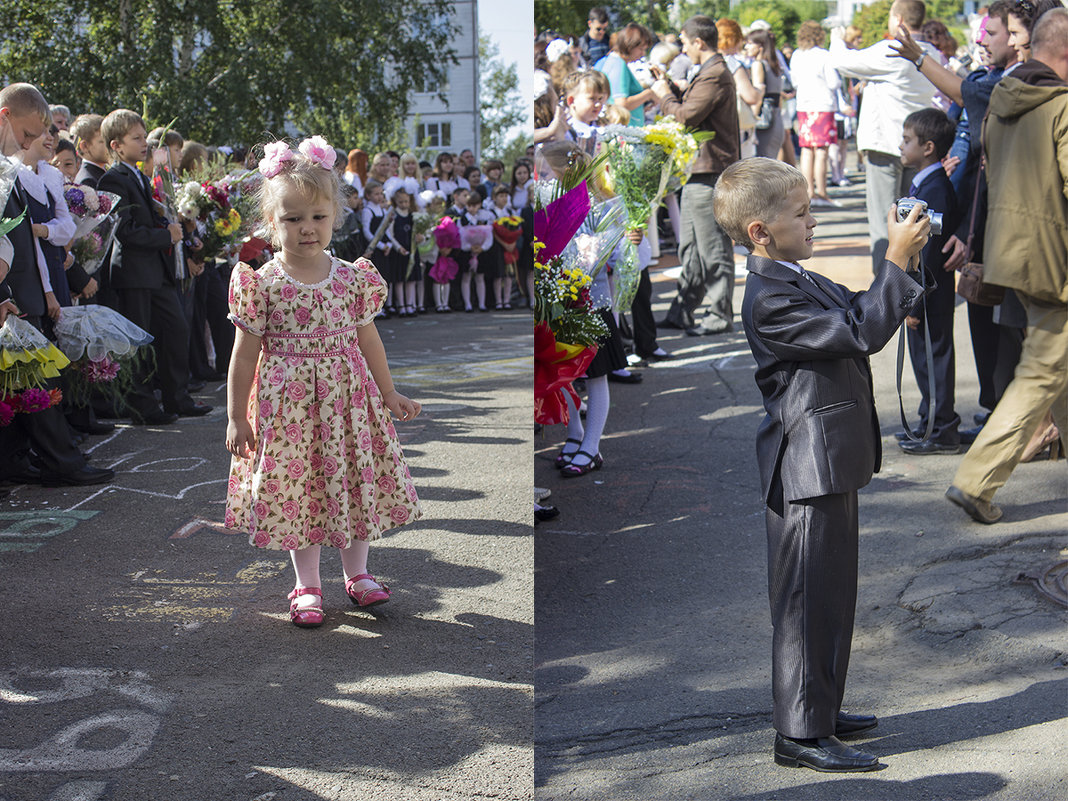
(572, 470)
(306, 617)
(562, 459)
(364, 598)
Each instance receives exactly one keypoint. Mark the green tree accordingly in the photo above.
(233, 71)
(501, 108)
(871, 19)
(564, 16)
(784, 17)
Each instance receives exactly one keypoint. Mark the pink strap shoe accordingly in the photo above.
(307, 617)
(364, 598)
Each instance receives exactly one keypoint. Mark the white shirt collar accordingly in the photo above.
(922, 174)
(795, 267)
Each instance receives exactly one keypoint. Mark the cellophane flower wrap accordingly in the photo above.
(507, 231)
(423, 224)
(96, 218)
(566, 332)
(27, 360)
(447, 238)
(645, 163)
(105, 350)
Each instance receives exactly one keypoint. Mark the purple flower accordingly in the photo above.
(35, 400)
(7, 414)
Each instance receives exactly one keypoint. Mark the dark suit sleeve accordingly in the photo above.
(795, 327)
(130, 231)
(77, 278)
(938, 195)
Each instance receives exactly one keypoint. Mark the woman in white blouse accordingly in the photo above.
(817, 85)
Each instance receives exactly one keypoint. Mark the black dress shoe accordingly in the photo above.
(902, 436)
(631, 378)
(847, 725)
(662, 356)
(196, 386)
(969, 435)
(670, 324)
(826, 754)
(160, 418)
(927, 447)
(79, 478)
(95, 427)
(28, 475)
(981, 418)
(198, 409)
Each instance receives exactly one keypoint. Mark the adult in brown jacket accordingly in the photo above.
(708, 104)
(1026, 143)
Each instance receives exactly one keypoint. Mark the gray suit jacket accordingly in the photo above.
(811, 344)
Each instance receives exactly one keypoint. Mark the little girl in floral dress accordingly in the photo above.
(309, 393)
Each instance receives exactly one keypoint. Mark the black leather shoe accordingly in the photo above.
(95, 427)
(632, 378)
(826, 754)
(160, 418)
(28, 475)
(925, 448)
(670, 324)
(902, 436)
(981, 418)
(968, 435)
(662, 356)
(87, 475)
(198, 409)
(980, 511)
(847, 725)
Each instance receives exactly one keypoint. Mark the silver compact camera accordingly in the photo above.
(904, 208)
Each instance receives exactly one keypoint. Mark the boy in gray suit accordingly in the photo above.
(818, 444)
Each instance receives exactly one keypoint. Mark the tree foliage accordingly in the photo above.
(232, 71)
(784, 17)
(871, 19)
(501, 108)
(563, 16)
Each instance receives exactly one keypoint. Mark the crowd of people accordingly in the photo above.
(167, 269)
(964, 170)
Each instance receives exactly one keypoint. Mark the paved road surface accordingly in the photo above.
(653, 630)
(148, 654)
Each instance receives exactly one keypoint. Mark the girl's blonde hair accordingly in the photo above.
(309, 178)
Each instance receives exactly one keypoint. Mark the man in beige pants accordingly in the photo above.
(1026, 141)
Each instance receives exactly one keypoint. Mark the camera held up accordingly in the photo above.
(904, 208)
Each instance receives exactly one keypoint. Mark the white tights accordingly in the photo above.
(597, 403)
(306, 566)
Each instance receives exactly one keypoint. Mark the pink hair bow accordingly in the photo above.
(318, 150)
(275, 155)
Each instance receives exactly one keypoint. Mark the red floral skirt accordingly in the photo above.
(816, 128)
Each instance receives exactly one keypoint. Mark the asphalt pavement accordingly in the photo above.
(148, 654)
(653, 641)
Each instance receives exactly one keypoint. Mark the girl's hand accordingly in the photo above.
(69, 261)
(52, 307)
(635, 236)
(401, 407)
(39, 230)
(240, 439)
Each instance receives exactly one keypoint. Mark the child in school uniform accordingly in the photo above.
(928, 135)
(375, 210)
(479, 263)
(818, 444)
(400, 237)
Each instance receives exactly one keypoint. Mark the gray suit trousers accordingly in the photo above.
(812, 586)
(885, 181)
(707, 258)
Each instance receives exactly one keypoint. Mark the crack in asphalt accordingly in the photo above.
(672, 730)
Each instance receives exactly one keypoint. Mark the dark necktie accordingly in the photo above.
(811, 280)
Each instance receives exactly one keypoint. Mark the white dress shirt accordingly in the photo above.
(895, 89)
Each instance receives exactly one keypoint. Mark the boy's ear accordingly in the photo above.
(758, 233)
(928, 148)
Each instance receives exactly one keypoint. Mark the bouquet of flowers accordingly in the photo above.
(210, 204)
(105, 349)
(163, 191)
(96, 218)
(644, 163)
(422, 225)
(447, 238)
(27, 358)
(472, 236)
(566, 333)
(507, 231)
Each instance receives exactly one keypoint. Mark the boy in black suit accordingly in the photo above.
(818, 444)
(142, 274)
(928, 135)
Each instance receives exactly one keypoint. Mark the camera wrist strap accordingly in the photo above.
(928, 357)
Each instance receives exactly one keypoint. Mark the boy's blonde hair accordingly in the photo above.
(310, 179)
(23, 99)
(85, 128)
(753, 189)
(117, 124)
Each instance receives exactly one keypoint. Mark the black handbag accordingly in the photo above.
(769, 107)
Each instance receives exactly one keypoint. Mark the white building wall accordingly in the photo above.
(460, 110)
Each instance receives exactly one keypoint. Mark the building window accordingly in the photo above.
(433, 134)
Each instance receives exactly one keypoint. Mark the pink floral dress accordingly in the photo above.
(328, 467)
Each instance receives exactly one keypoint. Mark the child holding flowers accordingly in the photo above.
(310, 398)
